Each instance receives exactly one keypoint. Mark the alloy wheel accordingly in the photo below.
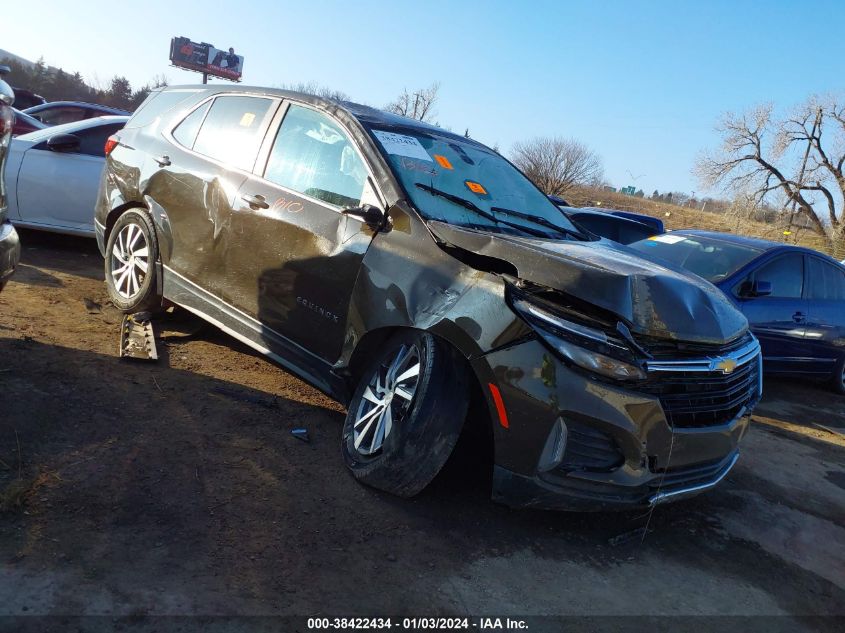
(386, 399)
(129, 261)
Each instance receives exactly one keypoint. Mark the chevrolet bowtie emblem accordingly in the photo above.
(726, 365)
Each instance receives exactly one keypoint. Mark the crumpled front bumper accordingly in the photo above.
(10, 252)
(620, 451)
(572, 492)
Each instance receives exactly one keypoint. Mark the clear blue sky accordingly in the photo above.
(642, 83)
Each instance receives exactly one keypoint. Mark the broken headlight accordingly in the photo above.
(588, 348)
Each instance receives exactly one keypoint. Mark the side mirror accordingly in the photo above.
(63, 143)
(761, 288)
(751, 289)
(369, 214)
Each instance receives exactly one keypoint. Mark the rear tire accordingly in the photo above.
(130, 263)
(406, 414)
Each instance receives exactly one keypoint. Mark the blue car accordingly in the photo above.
(793, 297)
(620, 229)
(623, 227)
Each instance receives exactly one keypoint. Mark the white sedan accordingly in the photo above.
(52, 175)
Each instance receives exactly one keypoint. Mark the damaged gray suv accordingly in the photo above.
(407, 271)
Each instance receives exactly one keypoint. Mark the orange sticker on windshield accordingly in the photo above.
(476, 188)
(443, 161)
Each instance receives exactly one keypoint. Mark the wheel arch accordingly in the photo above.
(478, 422)
(119, 210)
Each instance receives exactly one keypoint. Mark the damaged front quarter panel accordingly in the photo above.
(655, 301)
(406, 280)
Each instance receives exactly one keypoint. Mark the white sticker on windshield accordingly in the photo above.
(668, 239)
(402, 145)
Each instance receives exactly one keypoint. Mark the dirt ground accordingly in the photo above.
(177, 488)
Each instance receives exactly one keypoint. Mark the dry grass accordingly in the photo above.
(15, 495)
(675, 217)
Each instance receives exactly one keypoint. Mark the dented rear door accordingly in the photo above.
(198, 177)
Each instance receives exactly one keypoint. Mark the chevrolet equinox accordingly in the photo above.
(405, 270)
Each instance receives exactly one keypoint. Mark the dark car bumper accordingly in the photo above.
(10, 252)
(619, 451)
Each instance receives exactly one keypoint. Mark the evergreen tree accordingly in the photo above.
(119, 94)
(40, 77)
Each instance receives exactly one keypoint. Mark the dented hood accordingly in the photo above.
(655, 300)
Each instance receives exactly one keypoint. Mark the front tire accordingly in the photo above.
(406, 414)
(130, 263)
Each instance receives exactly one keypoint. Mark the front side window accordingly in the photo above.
(93, 140)
(231, 132)
(461, 182)
(786, 274)
(314, 156)
(827, 281)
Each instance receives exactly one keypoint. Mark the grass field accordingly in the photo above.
(676, 217)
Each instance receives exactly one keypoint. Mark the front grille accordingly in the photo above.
(694, 398)
(588, 448)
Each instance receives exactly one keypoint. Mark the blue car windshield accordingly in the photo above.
(466, 184)
(710, 258)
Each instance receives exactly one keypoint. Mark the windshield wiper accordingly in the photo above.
(470, 205)
(539, 220)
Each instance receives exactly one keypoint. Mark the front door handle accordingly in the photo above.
(255, 202)
(163, 161)
(798, 317)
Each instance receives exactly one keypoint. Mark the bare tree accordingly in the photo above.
(555, 164)
(800, 157)
(418, 104)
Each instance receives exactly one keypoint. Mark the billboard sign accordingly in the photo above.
(226, 64)
(205, 58)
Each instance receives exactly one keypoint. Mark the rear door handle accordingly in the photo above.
(163, 161)
(798, 317)
(255, 202)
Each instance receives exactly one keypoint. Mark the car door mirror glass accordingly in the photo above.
(63, 143)
(761, 288)
(368, 213)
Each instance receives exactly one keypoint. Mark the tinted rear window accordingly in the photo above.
(827, 281)
(158, 103)
(231, 132)
(712, 259)
(61, 114)
(186, 131)
(617, 229)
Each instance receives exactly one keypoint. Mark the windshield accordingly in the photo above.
(442, 174)
(710, 258)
